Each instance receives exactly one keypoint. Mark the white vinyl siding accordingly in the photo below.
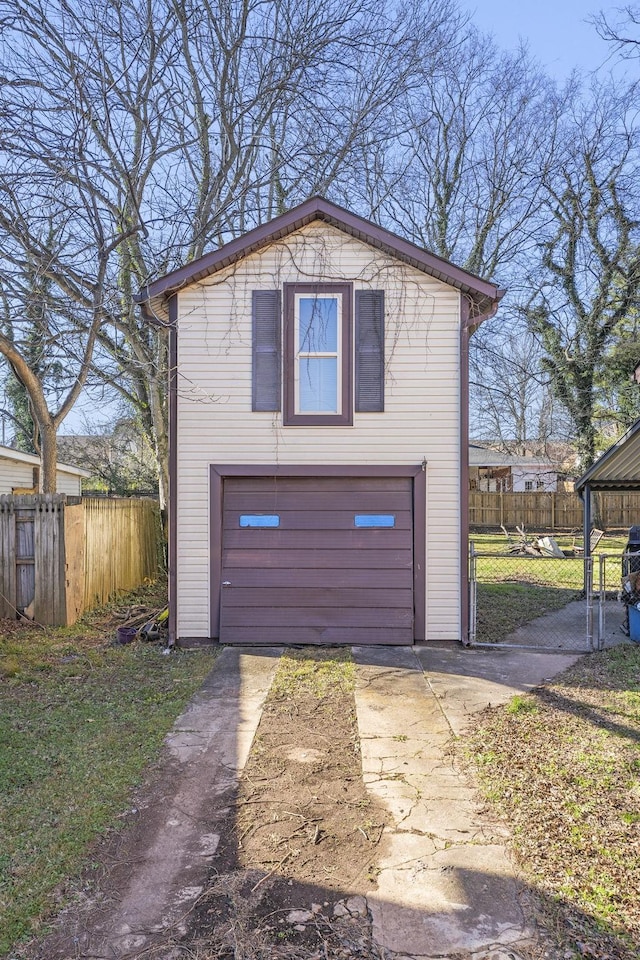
(68, 483)
(16, 474)
(421, 421)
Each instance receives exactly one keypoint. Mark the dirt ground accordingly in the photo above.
(302, 837)
(300, 840)
(298, 845)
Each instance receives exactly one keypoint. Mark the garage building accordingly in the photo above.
(318, 435)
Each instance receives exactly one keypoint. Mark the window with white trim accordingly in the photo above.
(318, 354)
(330, 359)
(317, 357)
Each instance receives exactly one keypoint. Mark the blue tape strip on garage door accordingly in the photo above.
(374, 520)
(259, 520)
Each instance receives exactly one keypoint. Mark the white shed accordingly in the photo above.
(318, 435)
(19, 474)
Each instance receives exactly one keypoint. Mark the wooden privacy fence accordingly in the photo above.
(552, 511)
(61, 556)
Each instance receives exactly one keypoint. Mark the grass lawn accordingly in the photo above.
(562, 766)
(503, 607)
(564, 574)
(80, 720)
(497, 542)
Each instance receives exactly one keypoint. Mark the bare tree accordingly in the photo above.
(588, 278)
(623, 33)
(47, 346)
(469, 170)
(145, 132)
(119, 461)
(513, 407)
(468, 183)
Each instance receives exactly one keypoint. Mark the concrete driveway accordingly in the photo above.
(446, 885)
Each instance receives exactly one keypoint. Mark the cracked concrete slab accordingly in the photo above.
(465, 681)
(446, 884)
(457, 899)
(210, 743)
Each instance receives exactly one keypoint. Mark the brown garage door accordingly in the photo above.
(317, 560)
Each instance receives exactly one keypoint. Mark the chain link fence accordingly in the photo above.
(532, 601)
(553, 603)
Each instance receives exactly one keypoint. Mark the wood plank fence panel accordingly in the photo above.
(25, 558)
(7, 558)
(74, 549)
(121, 543)
(49, 606)
(58, 559)
(552, 511)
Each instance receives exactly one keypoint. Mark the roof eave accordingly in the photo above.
(18, 456)
(590, 476)
(484, 294)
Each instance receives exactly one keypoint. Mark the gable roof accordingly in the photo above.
(483, 294)
(618, 468)
(8, 453)
(486, 457)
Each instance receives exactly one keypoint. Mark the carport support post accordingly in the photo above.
(586, 523)
(588, 575)
(586, 532)
(588, 561)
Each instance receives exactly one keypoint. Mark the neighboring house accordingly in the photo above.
(120, 463)
(492, 471)
(19, 473)
(318, 444)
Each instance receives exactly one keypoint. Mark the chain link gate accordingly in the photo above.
(536, 602)
(615, 603)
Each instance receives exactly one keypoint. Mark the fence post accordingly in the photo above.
(588, 578)
(601, 599)
(473, 596)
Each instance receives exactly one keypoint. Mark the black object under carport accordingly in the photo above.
(631, 585)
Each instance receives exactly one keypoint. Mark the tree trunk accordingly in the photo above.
(48, 456)
(160, 436)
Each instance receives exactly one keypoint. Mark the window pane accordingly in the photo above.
(318, 385)
(318, 324)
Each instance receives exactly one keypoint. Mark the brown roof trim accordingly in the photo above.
(465, 333)
(482, 292)
(172, 497)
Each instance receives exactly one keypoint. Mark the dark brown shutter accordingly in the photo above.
(266, 350)
(369, 350)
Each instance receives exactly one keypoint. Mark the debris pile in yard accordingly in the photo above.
(238, 920)
(143, 623)
(532, 546)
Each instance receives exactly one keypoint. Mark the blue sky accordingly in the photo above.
(558, 36)
(556, 30)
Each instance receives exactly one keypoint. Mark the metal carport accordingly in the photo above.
(616, 471)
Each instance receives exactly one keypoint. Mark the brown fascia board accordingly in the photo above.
(485, 295)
